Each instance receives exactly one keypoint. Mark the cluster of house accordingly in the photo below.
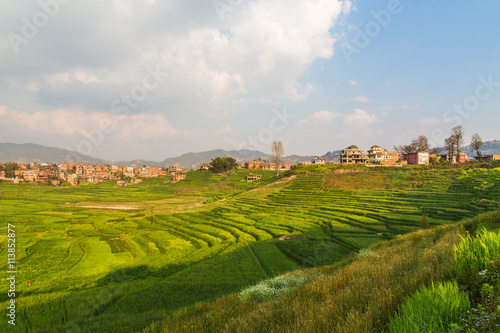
(376, 155)
(381, 156)
(75, 173)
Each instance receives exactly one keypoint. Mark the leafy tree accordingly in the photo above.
(223, 164)
(10, 168)
(476, 143)
(278, 151)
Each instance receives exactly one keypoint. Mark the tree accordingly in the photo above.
(476, 143)
(419, 144)
(9, 169)
(457, 136)
(450, 146)
(223, 164)
(278, 151)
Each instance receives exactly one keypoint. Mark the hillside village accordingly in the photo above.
(74, 174)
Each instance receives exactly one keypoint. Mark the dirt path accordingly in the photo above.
(108, 207)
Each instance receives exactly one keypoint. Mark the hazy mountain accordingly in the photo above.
(30, 152)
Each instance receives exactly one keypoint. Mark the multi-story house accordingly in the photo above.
(72, 179)
(318, 160)
(175, 169)
(205, 166)
(30, 175)
(378, 155)
(353, 155)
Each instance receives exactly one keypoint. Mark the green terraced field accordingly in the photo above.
(105, 258)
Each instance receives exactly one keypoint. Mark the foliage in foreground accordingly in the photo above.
(474, 253)
(431, 309)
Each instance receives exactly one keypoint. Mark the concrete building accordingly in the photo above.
(421, 157)
(72, 180)
(251, 177)
(353, 155)
(493, 157)
(318, 160)
(178, 176)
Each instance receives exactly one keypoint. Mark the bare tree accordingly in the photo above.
(457, 136)
(278, 152)
(419, 144)
(450, 146)
(476, 143)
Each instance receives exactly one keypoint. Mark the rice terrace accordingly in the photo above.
(208, 253)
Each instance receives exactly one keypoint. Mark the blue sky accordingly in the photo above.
(119, 79)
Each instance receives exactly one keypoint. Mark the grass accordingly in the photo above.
(474, 253)
(95, 268)
(432, 309)
(359, 297)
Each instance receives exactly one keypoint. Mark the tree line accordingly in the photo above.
(453, 144)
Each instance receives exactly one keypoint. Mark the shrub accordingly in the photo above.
(424, 222)
(432, 309)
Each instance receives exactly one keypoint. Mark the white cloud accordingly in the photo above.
(398, 107)
(431, 122)
(322, 117)
(223, 130)
(361, 99)
(97, 51)
(67, 123)
(360, 118)
(32, 86)
(353, 83)
(58, 79)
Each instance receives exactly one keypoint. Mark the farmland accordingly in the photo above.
(111, 258)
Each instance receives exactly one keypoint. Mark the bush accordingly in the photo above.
(433, 309)
(424, 222)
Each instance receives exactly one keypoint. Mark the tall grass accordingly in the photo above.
(474, 253)
(431, 309)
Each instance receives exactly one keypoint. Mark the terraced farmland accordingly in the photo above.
(178, 244)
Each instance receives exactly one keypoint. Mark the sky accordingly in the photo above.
(123, 79)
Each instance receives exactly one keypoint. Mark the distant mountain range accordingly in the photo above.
(29, 152)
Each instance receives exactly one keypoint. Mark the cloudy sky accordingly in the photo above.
(123, 79)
